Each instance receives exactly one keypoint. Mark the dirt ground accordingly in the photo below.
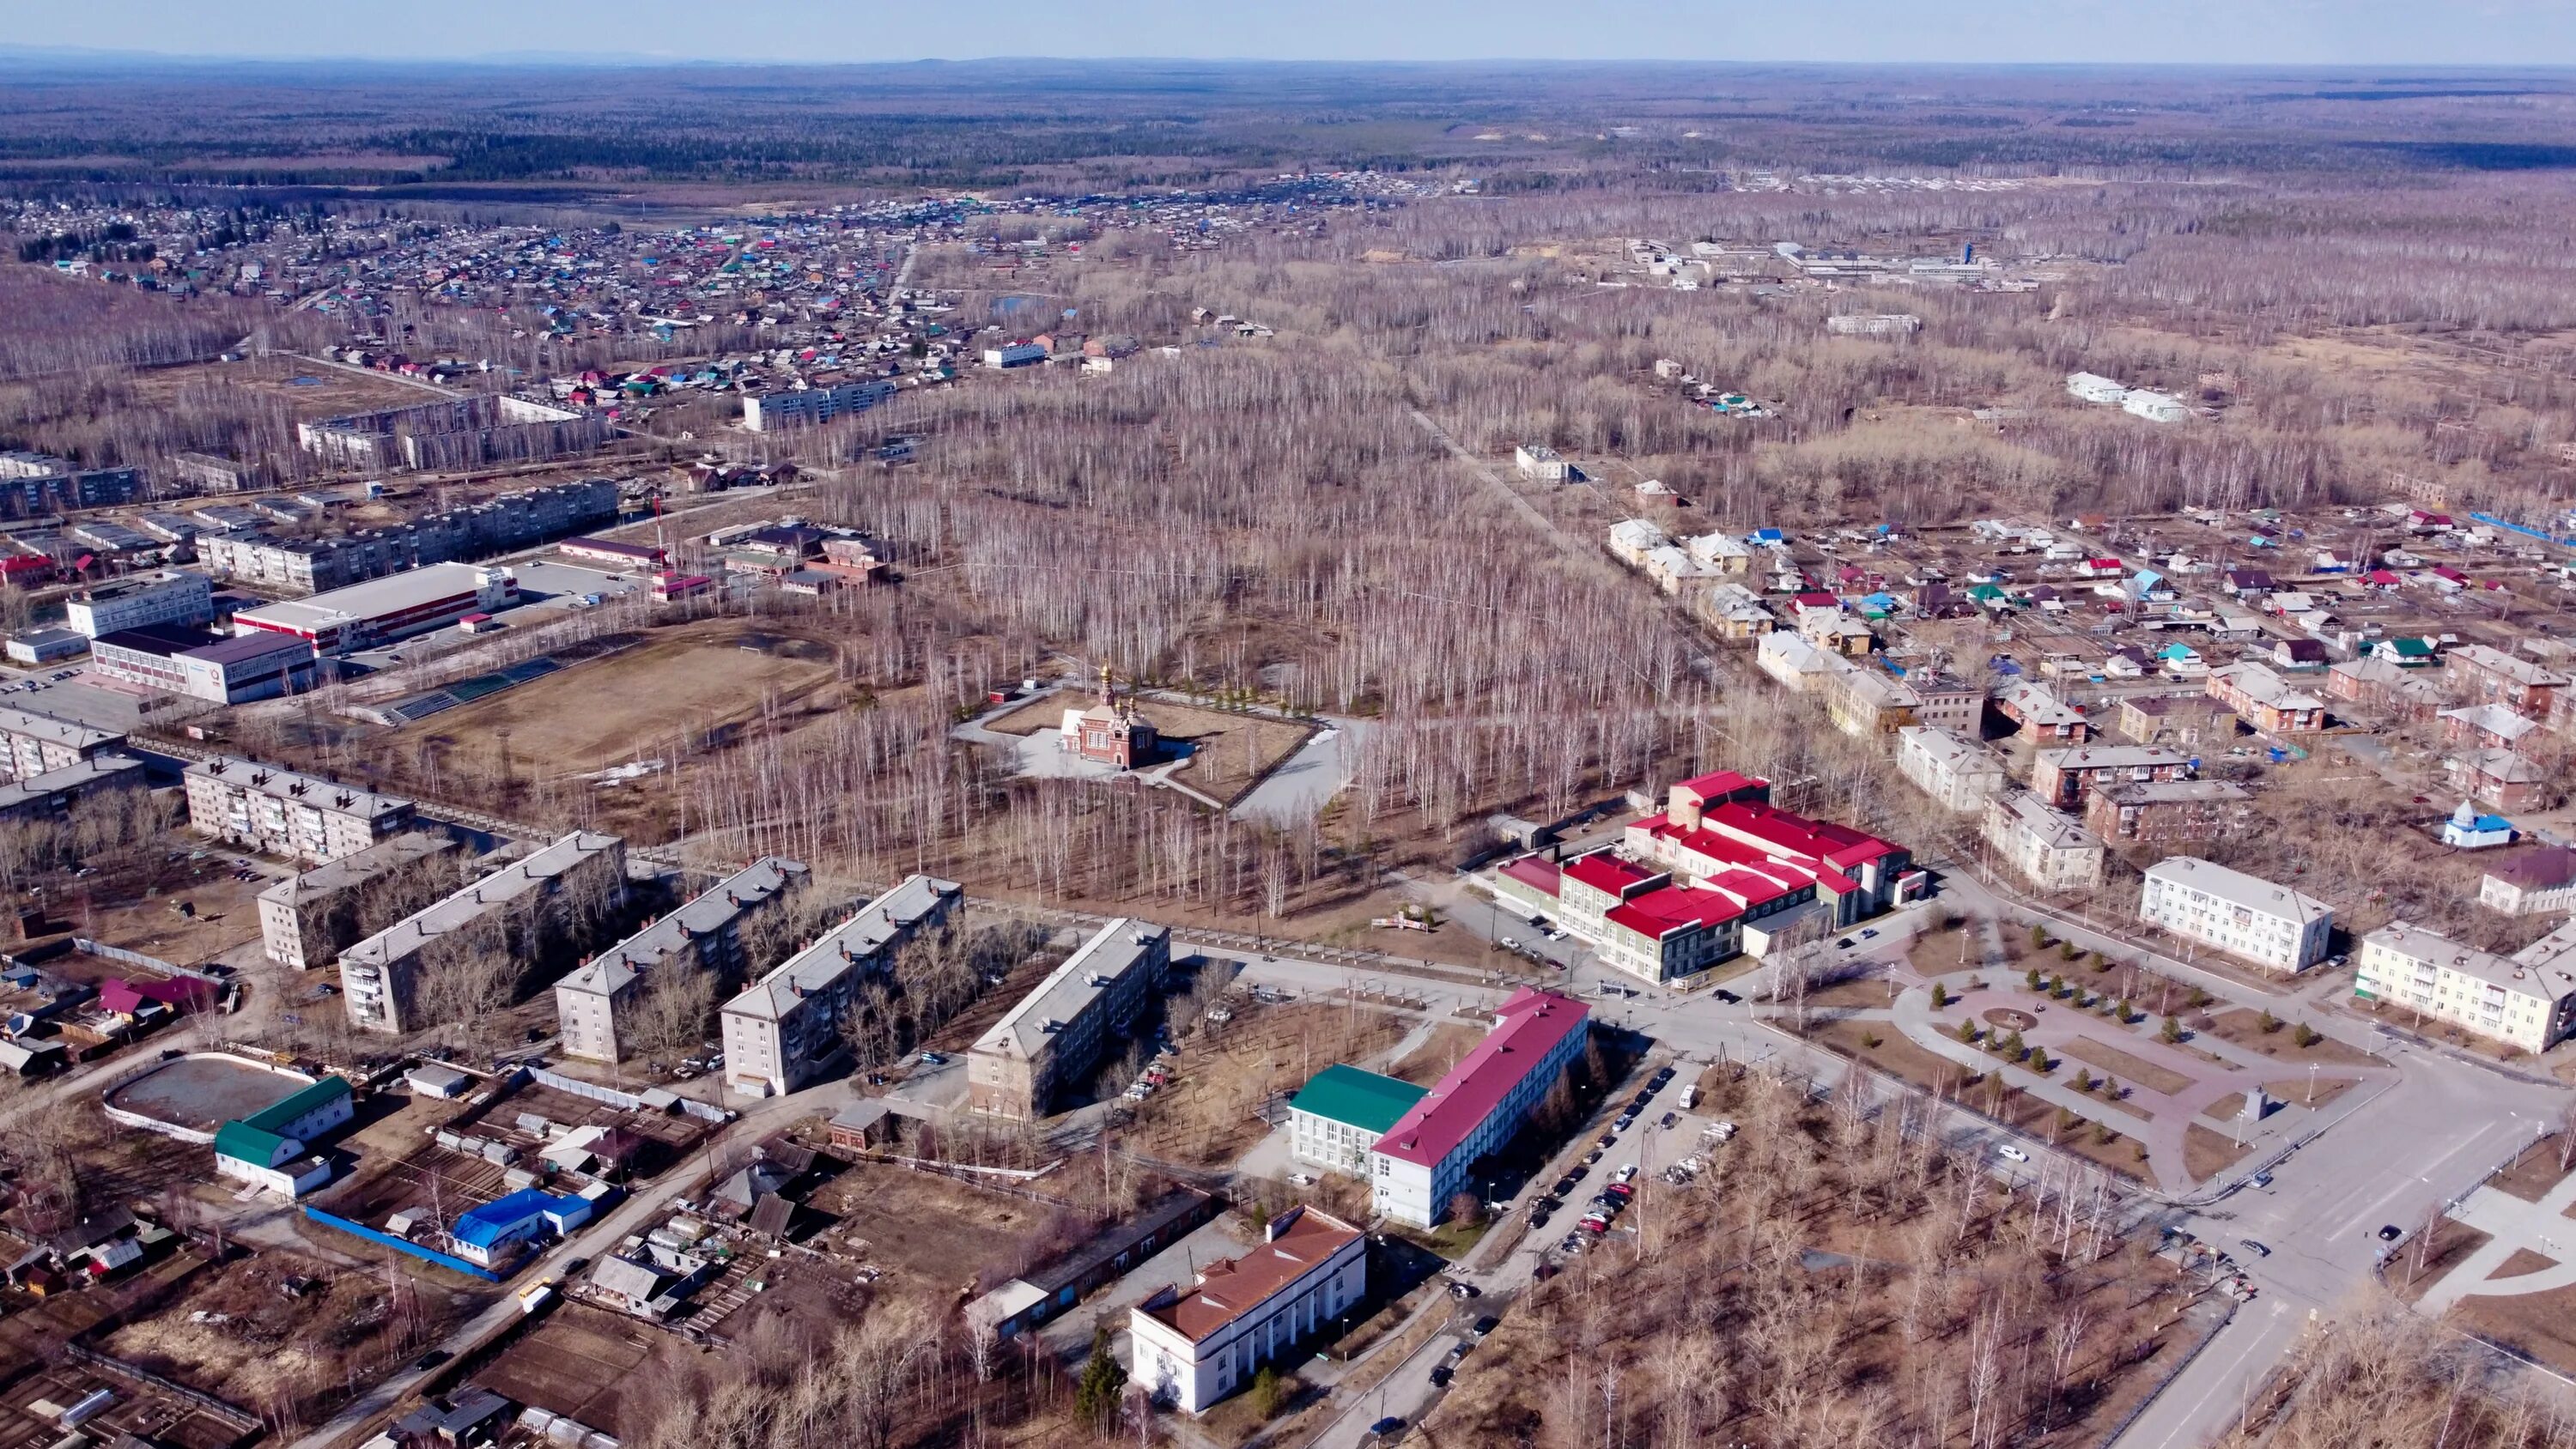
(2540, 1325)
(258, 1346)
(1229, 751)
(1226, 1079)
(579, 1362)
(1430, 1061)
(933, 1236)
(147, 919)
(2206, 1153)
(2244, 1028)
(700, 680)
(2136, 1071)
(2451, 1244)
(2298, 1090)
(330, 392)
(2531, 1175)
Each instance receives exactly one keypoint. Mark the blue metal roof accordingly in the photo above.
(486, 1225)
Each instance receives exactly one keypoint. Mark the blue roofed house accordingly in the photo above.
(501, 1229)
(270, 1147)
(2468, 830)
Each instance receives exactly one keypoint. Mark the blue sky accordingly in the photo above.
(2301, 32)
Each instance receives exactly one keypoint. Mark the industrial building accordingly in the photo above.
(168, 596)
(306, 919)
(464, 433)
(1336, 1119)
(786, 1027)
(1057, 1035)
(1423, 1160)
(518, 910)
(279, 812)
(2526, 1000)
(206, 666)
(809, 407)
(34, 744)
(2269, 925)
(594, 1004)
(1196, 1344)
(383, 610)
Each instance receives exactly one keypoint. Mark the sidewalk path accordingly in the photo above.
(2512, 1225)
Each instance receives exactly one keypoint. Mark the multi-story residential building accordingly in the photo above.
(1957, 772)
(2501, 778)
(472, 429)
(1541, 463)
(2491, 676)
(498, 524)
(1947, 702)
(1194, 1346)
(2165, 810)
(2488, 726)
(305, 919)
(2270, 925)
(2184, 721)
(2536, 882)
(1341, 1112)
(2266, 701)
(1424, 1159)
(595, 1004)
(2039, 714)
(1867, 702)
(1059, 1033)
(810, 407)
(35, 744)
(52, 794)
(2386, 686)
(2526, 1000)
(2050, 850)
(537, 906)
(301, 817)
(169, 596)
(27, 495)
(2063, 778)
(785, 1028)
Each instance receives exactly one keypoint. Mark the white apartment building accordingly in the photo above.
(785, 1028)
(813, 406)
(2050, 850)
(1542, 463)
(1957, 772)
(39, 744)
(1191, 1347)
(2526, 1000)
(2155, 407)
(2270, 925)
(2537, 882)
(301, 817)
(169, 596)
(595, 1003)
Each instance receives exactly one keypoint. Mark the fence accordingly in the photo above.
(107, 952)
(399, 1245)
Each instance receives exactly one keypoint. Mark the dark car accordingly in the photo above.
(431, 1359)
(2390, 1233)
(1619, 1190)
(1441, 1376)
(1388, 1425)
(1669, 1119)
(1539, 1219)
(1729, 997)
(1563, 1186)
(1486, 1325)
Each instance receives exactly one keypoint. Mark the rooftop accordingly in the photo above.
(1526, 1027)
(473, 902)
(2537, 970)
(71, 777)
(710, 912)
(357, 868)
(2170, 792)
(1232, 1287)
(358, 603)
(1365, 1100)
(2237, 888)
(855, 941)
(2546, 867)
(2113, 757)
(1114, 950)
(296, 788)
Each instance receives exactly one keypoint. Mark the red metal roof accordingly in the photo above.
(1724, 782)
(1674, 908)
(1530, 1024)
(1607, 873)
(1534, 871)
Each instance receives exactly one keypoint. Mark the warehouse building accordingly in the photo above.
(785, 1029)
(1338, 1117)
(1194, 1345)
(192, 662)
(2270, 925)
(305, 920)
(521, 910)
(35, 744)
(1423, 1160)
(279, 812)
(381, 611)
(1058, 1034)
(595, 1004)
(169, 596)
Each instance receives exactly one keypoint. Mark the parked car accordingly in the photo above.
(2390, 1232)
(1441, 1376)
(1487, 1324)
(2010, 1153)
(1669, 1119)
(1622, 1190)
(1388, 1425)
(1625, 1174)
(2251, 1246)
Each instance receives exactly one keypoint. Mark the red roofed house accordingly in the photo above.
(1192, 1347)
(1422, 1161)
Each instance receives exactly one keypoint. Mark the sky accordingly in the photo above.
(2224, 32)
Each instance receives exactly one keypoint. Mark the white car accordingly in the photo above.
(2010, 1153)
(1625, 1174)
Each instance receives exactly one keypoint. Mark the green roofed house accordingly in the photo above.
(1342, 1112)
(267, 1148)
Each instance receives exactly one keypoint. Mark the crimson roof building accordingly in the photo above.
(1422, 1161)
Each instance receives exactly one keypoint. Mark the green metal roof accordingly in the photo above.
(245, 1143)
(1361, 1099)
(259, 1138)
(277, 1114)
